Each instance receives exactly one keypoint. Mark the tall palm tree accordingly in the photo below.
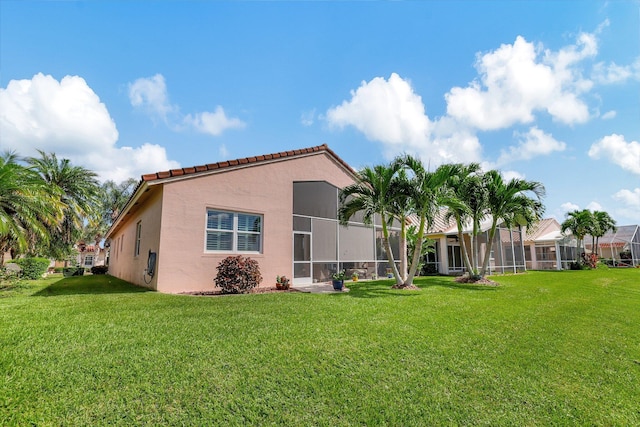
(427, 191)
(370, 195)
(510, 203)
(400, 207)
(28, 206)
(475, 193)
(603, 223)
(79, 190)
(455, 199)
(579, 222)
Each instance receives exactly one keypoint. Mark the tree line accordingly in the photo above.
(464, 192)
(48, 205)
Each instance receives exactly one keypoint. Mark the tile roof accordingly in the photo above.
(543, 227)
(245, 161)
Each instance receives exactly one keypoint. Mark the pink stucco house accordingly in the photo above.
(280, 209)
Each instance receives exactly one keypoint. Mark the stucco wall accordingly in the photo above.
(122, 262)
(265, 189)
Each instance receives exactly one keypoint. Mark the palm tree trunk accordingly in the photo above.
(403, 249)
(387, 248)
(487, 254)
(474, 247)
(417, 251)
(463, 246)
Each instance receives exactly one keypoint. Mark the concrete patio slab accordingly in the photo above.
(318, 288)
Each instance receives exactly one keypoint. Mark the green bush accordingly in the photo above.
(238, 275)
(33, 268)
(99, 269)
(58, 269)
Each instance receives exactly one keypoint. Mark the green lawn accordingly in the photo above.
(543, 348)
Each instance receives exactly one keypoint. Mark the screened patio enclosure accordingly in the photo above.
(553, 251)
(621, 247)
(507, 251)
(321, 246)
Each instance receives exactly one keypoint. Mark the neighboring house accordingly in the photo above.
(507, 254)
(547, 248)
(622, 246)
(279, 209)
(90, 255)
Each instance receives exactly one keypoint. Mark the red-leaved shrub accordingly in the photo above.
(238, 275)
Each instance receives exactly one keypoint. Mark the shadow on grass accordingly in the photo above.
(382, 288)
(89, 285)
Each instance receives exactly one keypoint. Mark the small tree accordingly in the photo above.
(238, 275)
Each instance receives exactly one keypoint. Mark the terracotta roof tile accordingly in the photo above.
(244, 161)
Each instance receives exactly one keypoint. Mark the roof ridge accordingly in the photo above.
(242, 161)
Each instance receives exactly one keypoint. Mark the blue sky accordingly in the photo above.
(549, 91)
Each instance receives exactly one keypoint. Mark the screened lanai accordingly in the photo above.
(620, 248)
(507, 251)
(547, 248)
(322, 247)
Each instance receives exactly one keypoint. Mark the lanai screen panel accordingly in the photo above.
(356, 243)
(508, 253)
(325, 240)
(315, 198)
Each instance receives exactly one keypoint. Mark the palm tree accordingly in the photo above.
(79, 191)
(114, 198)
(400, 207)
(427, 190)
(579, 222)
(603, 223)
(371, 195)
(459, 186)
(511, 204)
(28, 206)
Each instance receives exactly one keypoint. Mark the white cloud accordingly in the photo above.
(213, 123)
(45, 114)
(594, 206)
(618, 151)
(609, 115)
(531, 144)
(630, 200)
(518, 79)
(613, 73)
(126, 162)
(389, 111)
(509, 175)
(150, 95)
(67, 118)
(384, 110)
(568, 207)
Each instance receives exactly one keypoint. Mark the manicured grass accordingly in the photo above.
(543, 348)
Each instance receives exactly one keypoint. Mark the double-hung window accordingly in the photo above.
(233, 232)
(136, 250)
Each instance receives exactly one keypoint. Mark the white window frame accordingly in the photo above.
(234, 231)
(91, 257)
(136, 249)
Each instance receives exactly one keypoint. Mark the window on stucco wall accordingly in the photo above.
(136, 250)
(233, 232)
